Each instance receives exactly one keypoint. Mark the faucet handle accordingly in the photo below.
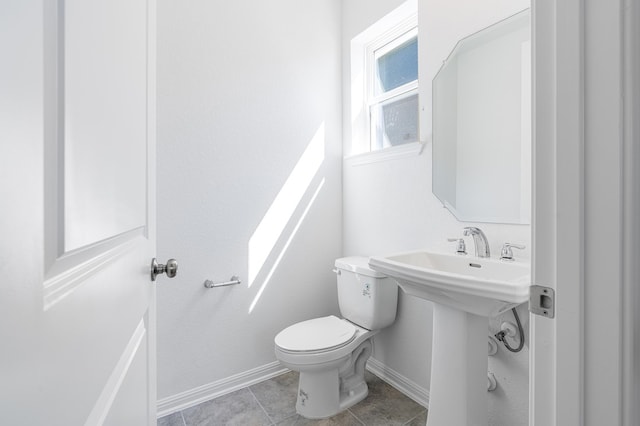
(461, 247)
(506, 253)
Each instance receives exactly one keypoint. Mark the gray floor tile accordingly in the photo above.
(274, 402)
(278, 395)
(238, 408)
(343, 419)
(385, 406)
(420, 420)
(174, 419)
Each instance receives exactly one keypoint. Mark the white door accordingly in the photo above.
(77, 219)
(583, 365)
(556, 351)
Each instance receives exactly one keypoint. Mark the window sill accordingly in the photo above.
(392, 153)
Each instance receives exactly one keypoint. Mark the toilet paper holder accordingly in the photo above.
(233, 281)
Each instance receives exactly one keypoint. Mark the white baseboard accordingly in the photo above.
(400, 382)
(230, 384)
(218, 388)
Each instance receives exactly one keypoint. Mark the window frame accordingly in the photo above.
(377, 49)
(382, 37)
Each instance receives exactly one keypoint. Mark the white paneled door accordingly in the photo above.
(584, 362)
(77, 212)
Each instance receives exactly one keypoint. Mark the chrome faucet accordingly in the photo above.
(479, 241)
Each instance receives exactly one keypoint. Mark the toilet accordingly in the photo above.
(330, 352)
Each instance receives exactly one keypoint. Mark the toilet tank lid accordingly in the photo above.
(359, 265)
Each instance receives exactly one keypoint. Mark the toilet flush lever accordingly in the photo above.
(171, 268)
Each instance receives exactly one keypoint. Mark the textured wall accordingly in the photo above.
(249, 181)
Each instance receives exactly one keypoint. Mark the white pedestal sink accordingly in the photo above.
(466, 291)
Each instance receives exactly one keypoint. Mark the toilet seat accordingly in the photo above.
(316, 335)
(319, 357)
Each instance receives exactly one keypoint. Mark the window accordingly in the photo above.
(384, 83)
(392, 100)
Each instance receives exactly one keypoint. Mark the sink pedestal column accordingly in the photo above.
(458, 391)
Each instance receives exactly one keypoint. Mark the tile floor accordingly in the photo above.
(273, 402)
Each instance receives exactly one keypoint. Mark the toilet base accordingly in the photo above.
(323, 393)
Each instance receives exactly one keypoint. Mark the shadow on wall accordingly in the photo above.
(271, 239)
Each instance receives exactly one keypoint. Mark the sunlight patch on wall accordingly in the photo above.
(272, 225)
(286, 246)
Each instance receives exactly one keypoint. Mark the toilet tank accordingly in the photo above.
(366, 297)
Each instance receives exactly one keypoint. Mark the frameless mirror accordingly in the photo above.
(482, 125)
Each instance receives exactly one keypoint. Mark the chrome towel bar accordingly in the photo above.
(234, 280)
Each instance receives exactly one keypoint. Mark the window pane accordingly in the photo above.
(395, 122)
(398, 67)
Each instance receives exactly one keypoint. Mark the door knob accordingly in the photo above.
(171, 268)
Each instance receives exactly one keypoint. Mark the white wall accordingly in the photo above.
(246, 90)
(388, 206)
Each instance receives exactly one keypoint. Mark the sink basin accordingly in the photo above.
(480, 286)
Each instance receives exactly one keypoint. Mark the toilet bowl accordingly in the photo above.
(331, 367)
(330, 352)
